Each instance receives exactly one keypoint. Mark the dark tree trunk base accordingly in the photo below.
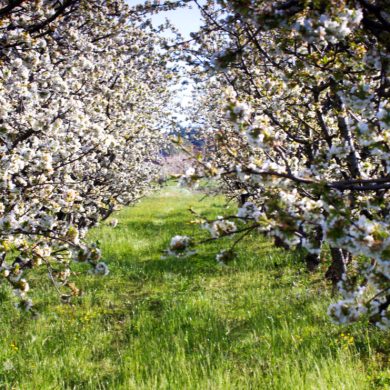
(340, 259)
(312, 261)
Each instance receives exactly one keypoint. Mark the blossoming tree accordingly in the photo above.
(301, 134)
(83, 90)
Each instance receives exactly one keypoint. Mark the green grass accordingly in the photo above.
(259, 323)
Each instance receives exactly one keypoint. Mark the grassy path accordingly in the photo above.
(259, 323)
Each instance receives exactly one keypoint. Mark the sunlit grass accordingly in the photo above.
(155, 323)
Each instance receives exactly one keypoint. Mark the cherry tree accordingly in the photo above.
(84, 90)
(301, 134)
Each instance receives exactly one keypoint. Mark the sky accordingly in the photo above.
(186, 20)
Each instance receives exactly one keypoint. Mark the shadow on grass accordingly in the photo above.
(140, 258)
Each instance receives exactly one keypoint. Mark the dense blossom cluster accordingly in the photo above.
(82, 86)
(180, 246)
(300, 135)
(220, 227)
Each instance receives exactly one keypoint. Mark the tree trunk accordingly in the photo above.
(279, 243)
(340, 259)
(243, 199)
(383, 306)
(312, 261)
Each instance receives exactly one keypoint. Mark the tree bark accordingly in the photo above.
(279, 243)
(340, 259)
